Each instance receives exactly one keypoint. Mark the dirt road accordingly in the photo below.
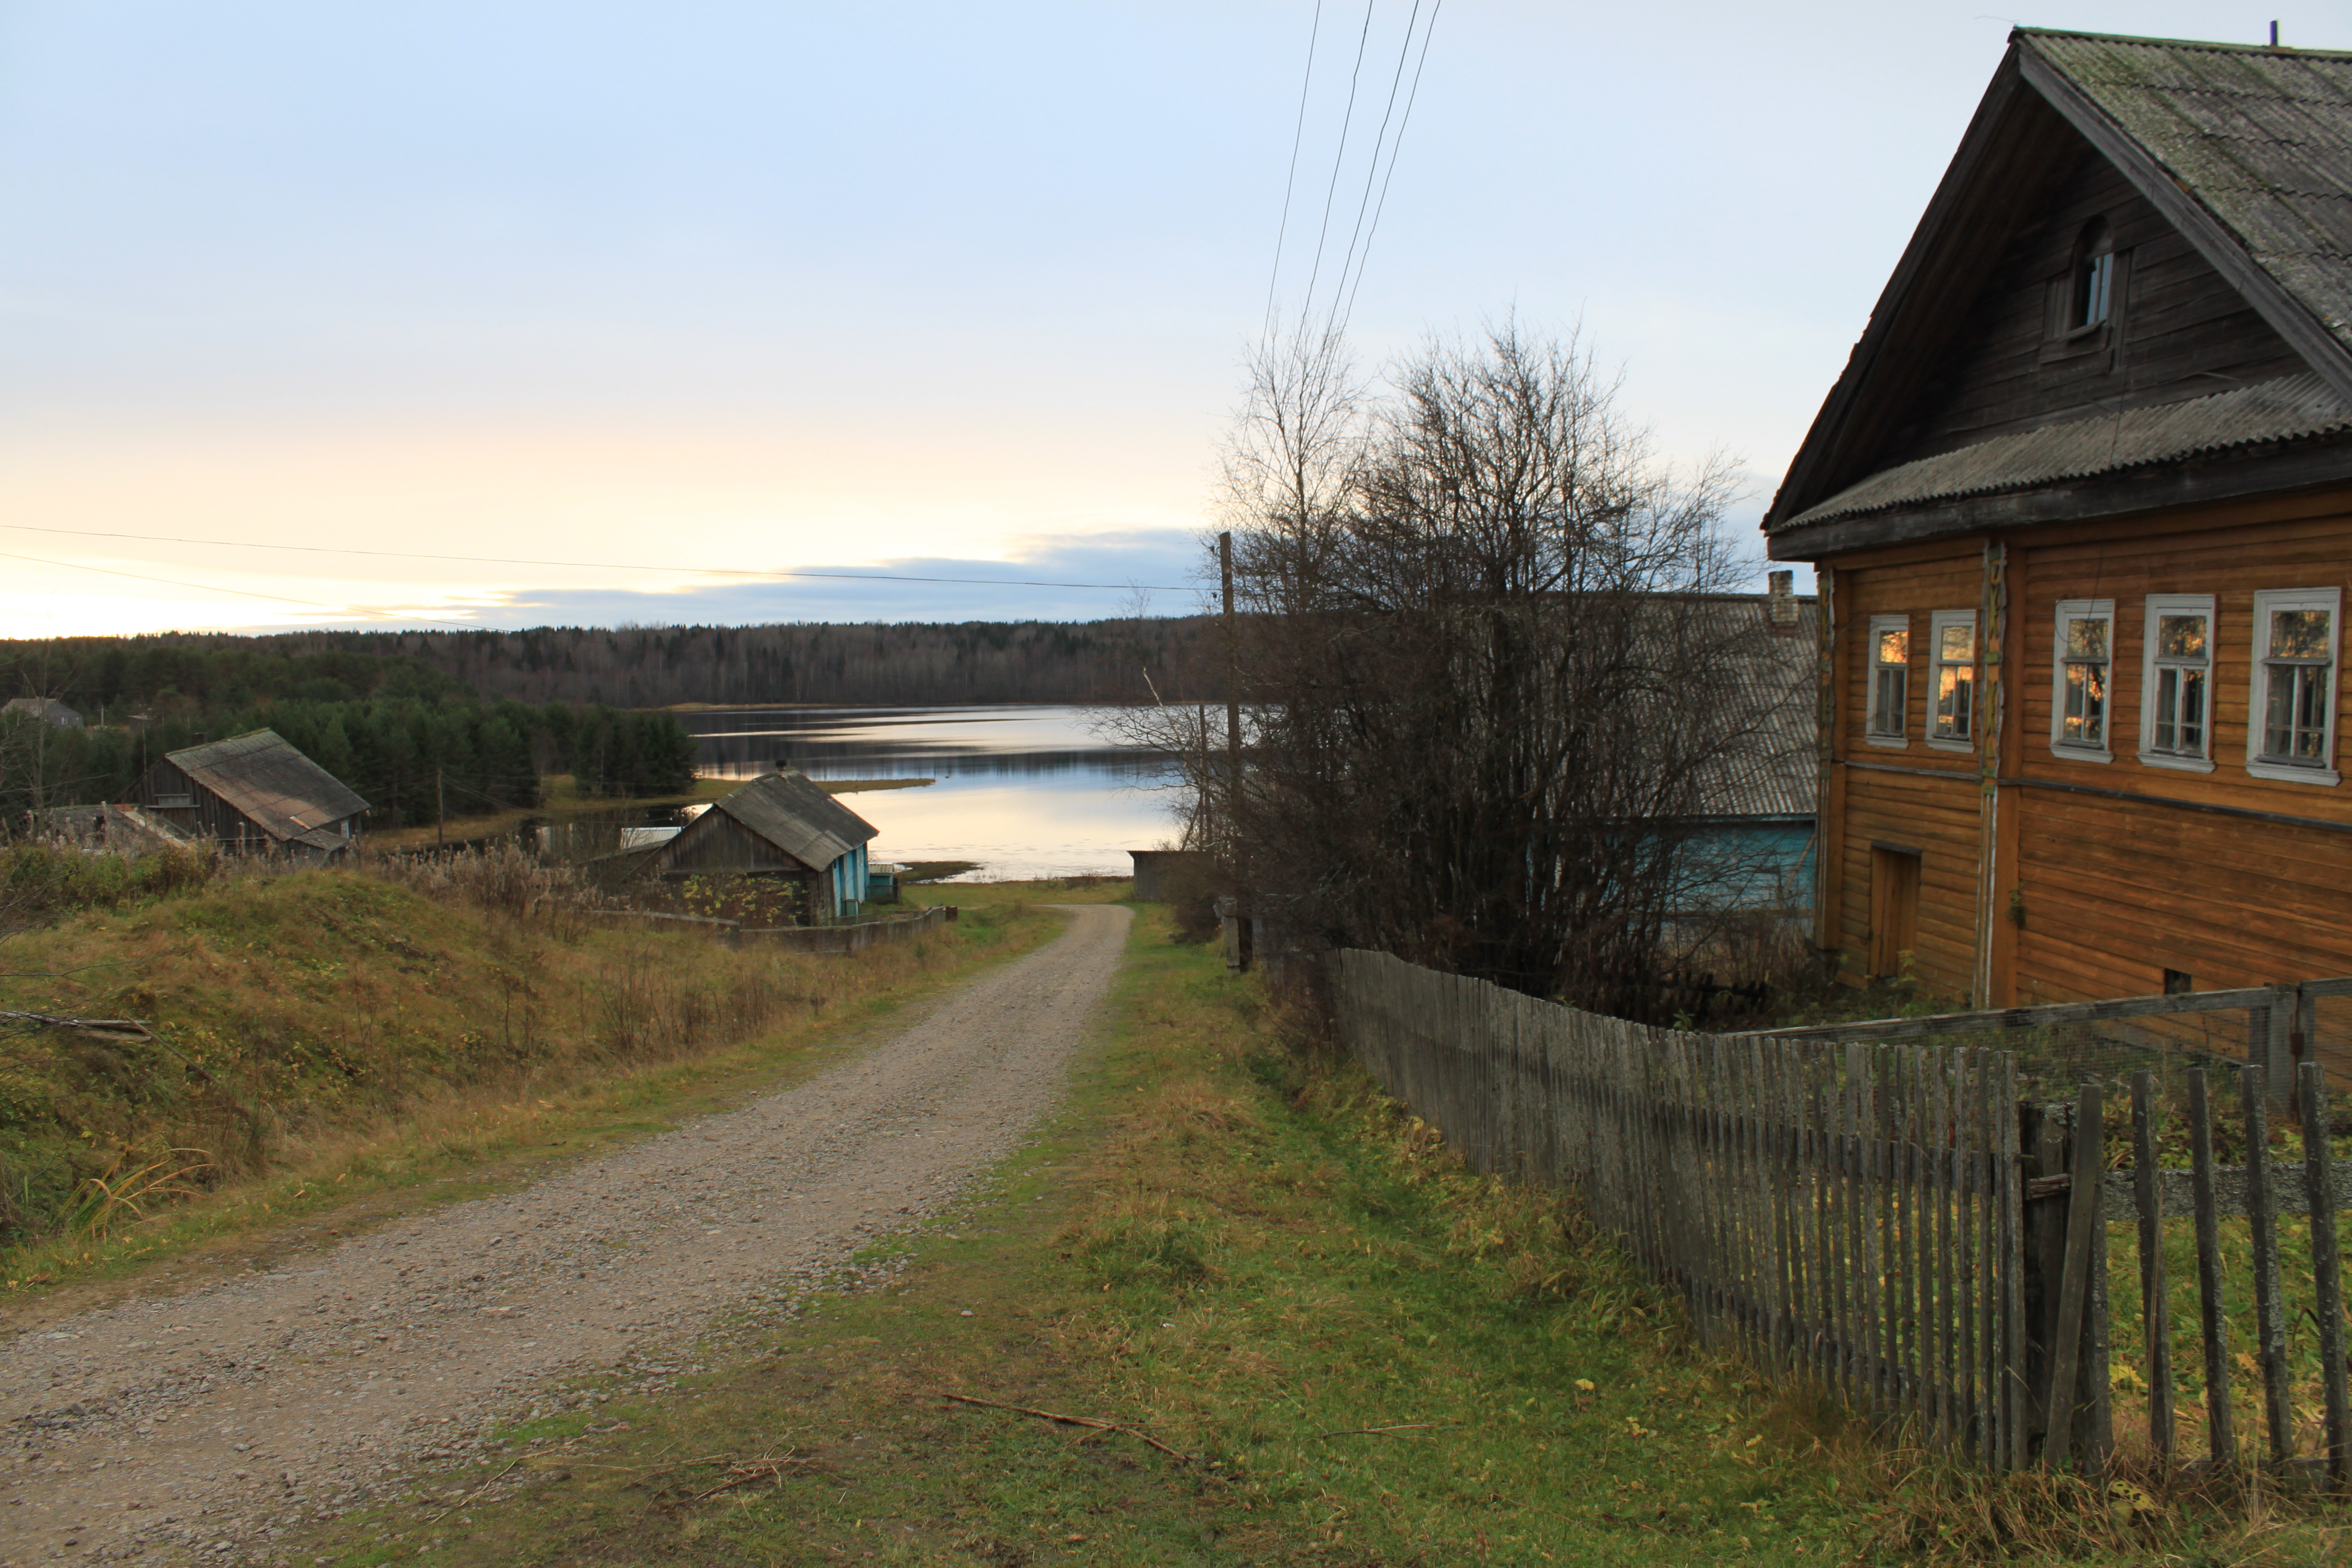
(207, 1424)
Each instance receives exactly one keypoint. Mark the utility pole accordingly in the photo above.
(440, 813)
(1233, 693)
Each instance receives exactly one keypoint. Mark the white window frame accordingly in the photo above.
(1899, 739)
(1937, 622)
(2158, 606)
(2258, 707)
(2069, 612)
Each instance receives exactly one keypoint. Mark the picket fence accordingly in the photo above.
(1889, 1221)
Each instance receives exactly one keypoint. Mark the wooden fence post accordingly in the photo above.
(2327, 1300)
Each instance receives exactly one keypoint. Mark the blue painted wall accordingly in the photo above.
(1753, 865)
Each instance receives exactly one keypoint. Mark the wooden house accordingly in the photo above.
(47, 709)
(1753, 846)
(252, 793)
(780, 825)
(2081, 507)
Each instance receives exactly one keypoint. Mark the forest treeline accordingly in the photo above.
(489, 713)
(910, 663)
(409, 758)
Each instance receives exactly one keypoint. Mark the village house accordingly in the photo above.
(252, 793)
(47, 710)
(780, 826)
(2081, 505)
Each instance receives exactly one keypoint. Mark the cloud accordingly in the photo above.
(1160, 563)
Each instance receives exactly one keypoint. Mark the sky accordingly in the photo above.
(636, 306)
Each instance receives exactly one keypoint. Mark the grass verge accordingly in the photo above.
(1362, 1354)
(331, 1048)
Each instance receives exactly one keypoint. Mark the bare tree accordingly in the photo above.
(1490, 669)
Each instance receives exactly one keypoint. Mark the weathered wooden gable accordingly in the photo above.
(2179, 328)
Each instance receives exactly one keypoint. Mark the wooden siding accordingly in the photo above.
(2182, 329)
(715, 844)
(209, 818)
(1938, 815)
(2115, 887)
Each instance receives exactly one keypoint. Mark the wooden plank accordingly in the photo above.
(2220, 1435)
(2327, 1267)
(2016, 1396)
(1943, 1187)
(2082, 1218)
(1965, 1143)
(1878, 1029)
(2155, 1300)
(2270, 1310)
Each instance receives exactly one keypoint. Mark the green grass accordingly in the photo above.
(1365, 1354)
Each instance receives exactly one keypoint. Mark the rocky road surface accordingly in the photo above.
(205, 1424)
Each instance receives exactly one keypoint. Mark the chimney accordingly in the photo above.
(200, 739)
(1779, 603)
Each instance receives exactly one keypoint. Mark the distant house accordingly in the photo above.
(1752, 848)
(2081, 508)
(780, 825)
(252, 793)
(47, 710)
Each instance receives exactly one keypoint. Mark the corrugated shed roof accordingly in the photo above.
(2260, 137)
(1777, 774)
(262, 775)
(790, 812)
(2289, 408)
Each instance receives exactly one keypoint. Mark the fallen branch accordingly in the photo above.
(753, 1471)
(1402, 1427)
(476, 1492)
(1099, 1425)
(104, 1028)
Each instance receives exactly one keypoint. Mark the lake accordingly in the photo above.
(1024, 791)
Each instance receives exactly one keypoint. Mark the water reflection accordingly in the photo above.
(1024, 791)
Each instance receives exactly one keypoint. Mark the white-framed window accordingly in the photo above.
(1890, 681)
(2082, 665)
(2291, 715)
(1952, 700)
(2176, 690)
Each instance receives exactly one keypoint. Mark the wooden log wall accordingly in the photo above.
(1889, 1221)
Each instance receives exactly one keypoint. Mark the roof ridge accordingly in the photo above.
(2207, 44)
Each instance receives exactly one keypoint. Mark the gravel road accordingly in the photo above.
(207, 1424)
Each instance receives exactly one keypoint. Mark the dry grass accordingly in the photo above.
(316, 1021)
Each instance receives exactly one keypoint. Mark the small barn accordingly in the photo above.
(780, 824)
(252, 793)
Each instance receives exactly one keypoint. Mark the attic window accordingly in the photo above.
(2094, 278)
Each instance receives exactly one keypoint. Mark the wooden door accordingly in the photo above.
(1894, 908)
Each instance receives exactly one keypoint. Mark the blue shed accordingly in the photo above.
(780, 825)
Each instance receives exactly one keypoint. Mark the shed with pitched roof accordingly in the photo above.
(253, 793)
(780, 825)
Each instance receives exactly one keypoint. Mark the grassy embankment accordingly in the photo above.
(562, 801)
(1363, 1354)
(335, 1043)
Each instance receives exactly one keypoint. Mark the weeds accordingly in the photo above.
(114, 1192)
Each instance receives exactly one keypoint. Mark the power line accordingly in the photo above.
(1394, 148)
(1306, 306)
(750, 574)
(1372, 168)
(1297, 132)
(236, 593)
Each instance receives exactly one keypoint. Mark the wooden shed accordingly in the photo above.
(253, 793)
(2082, 505)
(780, 825)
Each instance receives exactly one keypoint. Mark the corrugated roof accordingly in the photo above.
(2289, 408)
(790, 812)
(262, 775)
(2260, 137)
(1778, 771)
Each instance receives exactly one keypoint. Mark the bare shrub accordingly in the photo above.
(1490, 669)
